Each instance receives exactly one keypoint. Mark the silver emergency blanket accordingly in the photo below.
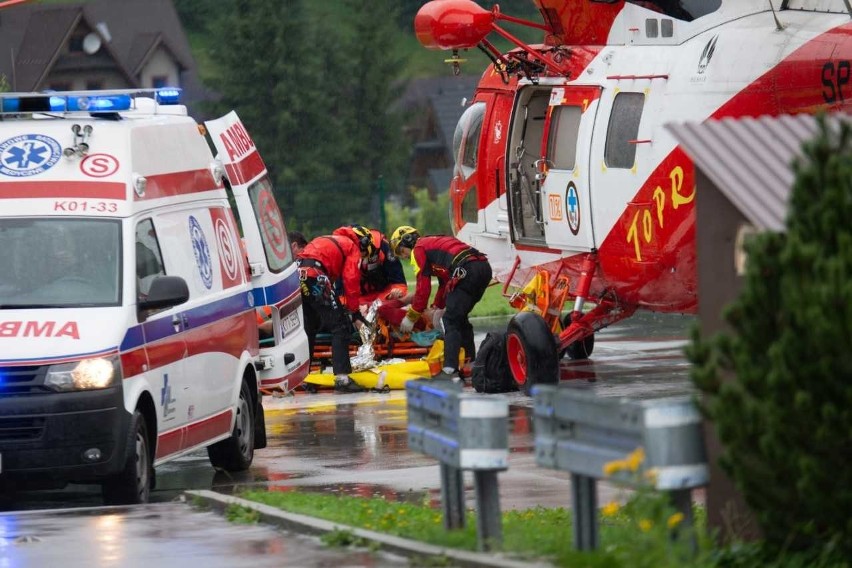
(365, 358)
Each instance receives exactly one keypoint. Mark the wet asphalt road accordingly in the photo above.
(344, 443)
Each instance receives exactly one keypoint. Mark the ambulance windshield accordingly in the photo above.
(59, 263)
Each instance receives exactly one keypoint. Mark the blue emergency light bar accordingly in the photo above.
(83, 101)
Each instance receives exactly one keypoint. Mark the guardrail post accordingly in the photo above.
(452, 497)
(584, 504)
(464, 432)
(578, 432)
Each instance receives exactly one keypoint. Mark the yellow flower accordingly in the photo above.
(675, 520)
(635, 459)
(645, 525)
(614, 467)
(610, 509)
(651, 475)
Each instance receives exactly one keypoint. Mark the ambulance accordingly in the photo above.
(137, 247)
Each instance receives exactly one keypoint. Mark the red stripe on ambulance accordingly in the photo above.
(180, 439)
(177, 184)
(63, 189)
(206, 339)
(244, 162)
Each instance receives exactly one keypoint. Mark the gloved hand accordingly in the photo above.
(406, 325)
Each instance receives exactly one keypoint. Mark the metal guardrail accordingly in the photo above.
(578, 432)
(463, 432)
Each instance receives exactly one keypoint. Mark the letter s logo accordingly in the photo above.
(99, 165)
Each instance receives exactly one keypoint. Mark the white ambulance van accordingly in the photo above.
(136, 248)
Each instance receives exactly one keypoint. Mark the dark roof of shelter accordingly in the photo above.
(750, 159)
(444, 95)
(32, 35)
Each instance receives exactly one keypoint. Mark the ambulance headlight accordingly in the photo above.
(88, 374)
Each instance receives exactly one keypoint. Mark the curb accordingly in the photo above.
(312, 525)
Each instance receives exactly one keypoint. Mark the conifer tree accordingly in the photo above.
(785, 415)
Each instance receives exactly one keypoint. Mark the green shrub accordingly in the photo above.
(785, 421)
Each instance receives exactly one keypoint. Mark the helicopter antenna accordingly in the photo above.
(778, 25)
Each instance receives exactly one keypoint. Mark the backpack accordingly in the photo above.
(491, 372)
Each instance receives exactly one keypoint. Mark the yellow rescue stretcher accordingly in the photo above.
(388, 376)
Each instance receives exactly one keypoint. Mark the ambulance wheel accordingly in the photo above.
(310, 388)
(133, 483)
(531, 351)
(237, 452)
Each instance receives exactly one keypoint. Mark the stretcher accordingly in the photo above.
(385, 376)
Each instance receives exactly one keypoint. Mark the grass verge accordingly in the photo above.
(534, 534)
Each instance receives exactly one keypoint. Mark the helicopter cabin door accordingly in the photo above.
(562, 169)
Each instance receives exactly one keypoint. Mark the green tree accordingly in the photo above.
(268, 74)
(785, 415)
(370, 89)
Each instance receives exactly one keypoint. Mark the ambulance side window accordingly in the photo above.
(149, 260)
(273, 234)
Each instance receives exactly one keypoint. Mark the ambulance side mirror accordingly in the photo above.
(165, 292)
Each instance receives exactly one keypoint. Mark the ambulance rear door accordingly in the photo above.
(274, 277)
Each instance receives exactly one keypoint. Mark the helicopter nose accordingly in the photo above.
(452, 24)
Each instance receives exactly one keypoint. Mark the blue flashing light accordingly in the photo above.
(66, 103)
(100, 103)
(168, 96)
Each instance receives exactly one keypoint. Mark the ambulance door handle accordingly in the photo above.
(176, 322)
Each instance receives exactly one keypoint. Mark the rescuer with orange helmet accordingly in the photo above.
(382, 276)
(322, 262)
(463, 274)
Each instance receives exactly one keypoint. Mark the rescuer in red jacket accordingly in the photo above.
(463, 274)
(321, 263)
(382, 276)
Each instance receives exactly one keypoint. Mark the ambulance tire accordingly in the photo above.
(236, 452)
(531, 351)
(132, 485)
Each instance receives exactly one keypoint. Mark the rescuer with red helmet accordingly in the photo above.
(463, 274)
(382, 276)
(321, 263)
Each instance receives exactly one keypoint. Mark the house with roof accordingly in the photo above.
(744, 179)
(435, 105)
(100, 44)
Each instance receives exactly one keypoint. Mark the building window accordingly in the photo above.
(75, 44)
(60, 87)
(622, 130)
(94, 85)
(159, 81)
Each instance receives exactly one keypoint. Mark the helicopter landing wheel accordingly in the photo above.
(531, 351)
(580, 349)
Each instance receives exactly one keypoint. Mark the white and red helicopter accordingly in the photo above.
(565, 175)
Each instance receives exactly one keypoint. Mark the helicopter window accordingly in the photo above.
(652, 27)
(469, 208)
(466, 138)
(562, 139)
(623, 128)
